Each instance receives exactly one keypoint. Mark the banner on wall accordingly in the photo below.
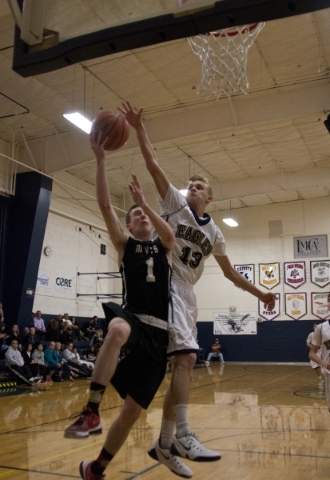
(63, 283)
(320, 273)
(247, 270)
(269, 275)
(269, 314)
(320, 305)
(295, 305)
(43, 280)
(311, 246)
(294, 273)
(243, 323)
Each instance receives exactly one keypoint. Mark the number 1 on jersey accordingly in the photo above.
(150, 276)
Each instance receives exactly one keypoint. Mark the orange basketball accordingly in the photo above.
(112, 125)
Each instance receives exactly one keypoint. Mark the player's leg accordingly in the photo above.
(105, 366)
(116, 437)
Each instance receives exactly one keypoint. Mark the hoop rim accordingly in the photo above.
(248, 28)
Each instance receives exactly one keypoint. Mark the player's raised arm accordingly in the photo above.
(163, 229)
(233, 275)
(115, 229)
(134, 118)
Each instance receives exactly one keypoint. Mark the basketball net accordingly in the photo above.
(224, 58)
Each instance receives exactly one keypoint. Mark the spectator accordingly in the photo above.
(32, 337)
(67, 334)
(72, 356)
(216, 347)
(73, 325)
(53, 330)
(39, 325)
(68, 374)
(76, 330)
(97, 340)
(38, 355)
(97, 325)
(25, 335)
(29, 360)
(90, 354)
(15, 362)
(14, 335)
(88, 329)
(53, 361)
(3, 337)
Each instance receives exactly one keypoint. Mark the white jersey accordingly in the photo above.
(321, 338)
(196, 238)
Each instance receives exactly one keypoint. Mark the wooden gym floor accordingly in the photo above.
(269, 422)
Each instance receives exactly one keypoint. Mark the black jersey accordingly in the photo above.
(146, 278)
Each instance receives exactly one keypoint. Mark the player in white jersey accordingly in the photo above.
(197, 237)
(315, 366)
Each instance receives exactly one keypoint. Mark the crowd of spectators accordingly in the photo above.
(46, 353)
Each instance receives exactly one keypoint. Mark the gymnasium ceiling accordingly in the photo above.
(265, 147)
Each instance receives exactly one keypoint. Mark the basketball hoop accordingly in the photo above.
(224, 59)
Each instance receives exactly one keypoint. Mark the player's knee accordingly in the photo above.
(186, 361)
(131, 414)
(118, 333)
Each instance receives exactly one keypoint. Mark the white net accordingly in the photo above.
(224, 59)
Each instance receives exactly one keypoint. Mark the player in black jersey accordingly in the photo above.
(139, 325)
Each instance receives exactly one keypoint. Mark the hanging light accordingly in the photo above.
(230, 221)
(79, 120)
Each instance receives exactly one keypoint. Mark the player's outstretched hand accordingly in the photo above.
(96, 143)
(132, 115)
(269, 300)
(136, 192)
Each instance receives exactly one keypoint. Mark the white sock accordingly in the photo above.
(166, 434)
(181, 420)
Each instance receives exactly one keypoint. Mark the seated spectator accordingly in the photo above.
(53, 361)
(14, 335)
(216, 347)
(15, 362)
(46, 372)
(25, 334)
(3, 337)
(84, 367)
(90, 354)
(32, 337)
(75, 329)
(53, 330)
(88, 329)
(97, 325)
(29, 360)
(97, 340)
(68, 374)
(39, 325)
(67, 334)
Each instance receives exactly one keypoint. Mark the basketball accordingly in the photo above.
(112, 125)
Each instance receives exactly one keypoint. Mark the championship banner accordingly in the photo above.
(295, 305)
(63, 283)
(294, 273)
(270, 314)
(43, 280)
(269, 275)
(243, 323)
(320, 305)
(320, 273)
(247, 270)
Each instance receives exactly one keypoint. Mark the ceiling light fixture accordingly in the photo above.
(230, 221)
(79, 120)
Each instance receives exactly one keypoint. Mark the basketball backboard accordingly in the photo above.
(54, 34)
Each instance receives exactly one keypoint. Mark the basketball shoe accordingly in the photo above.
(86, 472)
(87, 423)
(189, 447)
(165, 457)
